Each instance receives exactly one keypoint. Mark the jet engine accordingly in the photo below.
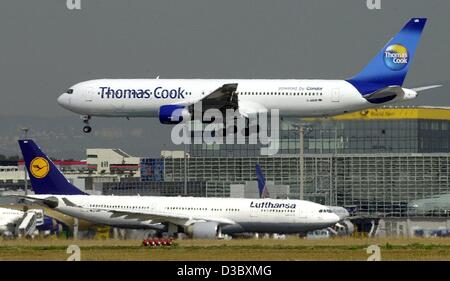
(204, 230)
(173, 114)
(350, 228)
(51, 202)
(343, 228)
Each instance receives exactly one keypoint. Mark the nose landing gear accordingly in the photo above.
(86, 129)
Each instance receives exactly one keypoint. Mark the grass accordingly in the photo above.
(239, 249)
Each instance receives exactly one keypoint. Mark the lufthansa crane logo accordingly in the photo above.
(39, 167)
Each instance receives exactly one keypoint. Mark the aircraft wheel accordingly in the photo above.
(87, 129)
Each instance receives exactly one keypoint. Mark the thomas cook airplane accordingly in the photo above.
(198, 217)
(173, 100)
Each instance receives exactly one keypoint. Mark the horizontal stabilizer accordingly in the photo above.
(424, 88)
(385, 95)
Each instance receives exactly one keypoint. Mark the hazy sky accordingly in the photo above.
(45, 48)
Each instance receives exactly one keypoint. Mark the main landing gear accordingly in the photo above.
(86, 129)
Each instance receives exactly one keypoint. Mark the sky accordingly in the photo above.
(45, 48)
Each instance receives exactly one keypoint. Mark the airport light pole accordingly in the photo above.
(334, 195)
(184, 156)
(302, 130)
(302, 161)
(185, 168)
(25, 133)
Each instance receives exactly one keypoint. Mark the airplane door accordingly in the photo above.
(254, 213)
(300, 215)
(291, 216)
(335, 95)
(89, 94)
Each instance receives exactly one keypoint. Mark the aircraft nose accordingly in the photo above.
(63, 100)
(334, 218)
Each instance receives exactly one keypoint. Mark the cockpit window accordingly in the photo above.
(70, 91)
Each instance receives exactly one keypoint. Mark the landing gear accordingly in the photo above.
(86, 129)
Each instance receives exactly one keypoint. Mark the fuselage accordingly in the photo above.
(239, 215)
(438, 203)
(144, 97)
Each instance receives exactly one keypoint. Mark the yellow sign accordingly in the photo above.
(39, 167)
(394, 114)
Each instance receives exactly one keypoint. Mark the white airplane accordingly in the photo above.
(8, 220)
(173, 100)
(438, 204)
(16, 222)
(199, 217)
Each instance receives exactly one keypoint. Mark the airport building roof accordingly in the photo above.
(389, 113)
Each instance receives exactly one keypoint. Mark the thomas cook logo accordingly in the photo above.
(396, 57)
(39, 167)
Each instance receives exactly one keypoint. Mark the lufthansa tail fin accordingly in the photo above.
(263, 192)
(390, 66)
(44, 176)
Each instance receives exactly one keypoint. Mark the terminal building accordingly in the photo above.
(378, 161)
(100, 166)
(387, 165)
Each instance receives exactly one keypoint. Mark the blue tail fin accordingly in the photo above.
(45, 177)
(390, 66)
(263, 192)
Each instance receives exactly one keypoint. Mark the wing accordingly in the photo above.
(247, 108)
(222, 98)
(177, 219)
(49, 201)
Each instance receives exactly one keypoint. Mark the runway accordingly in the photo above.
(352, 249)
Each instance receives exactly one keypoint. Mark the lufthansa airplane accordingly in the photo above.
(174, 100)
(198, 217)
